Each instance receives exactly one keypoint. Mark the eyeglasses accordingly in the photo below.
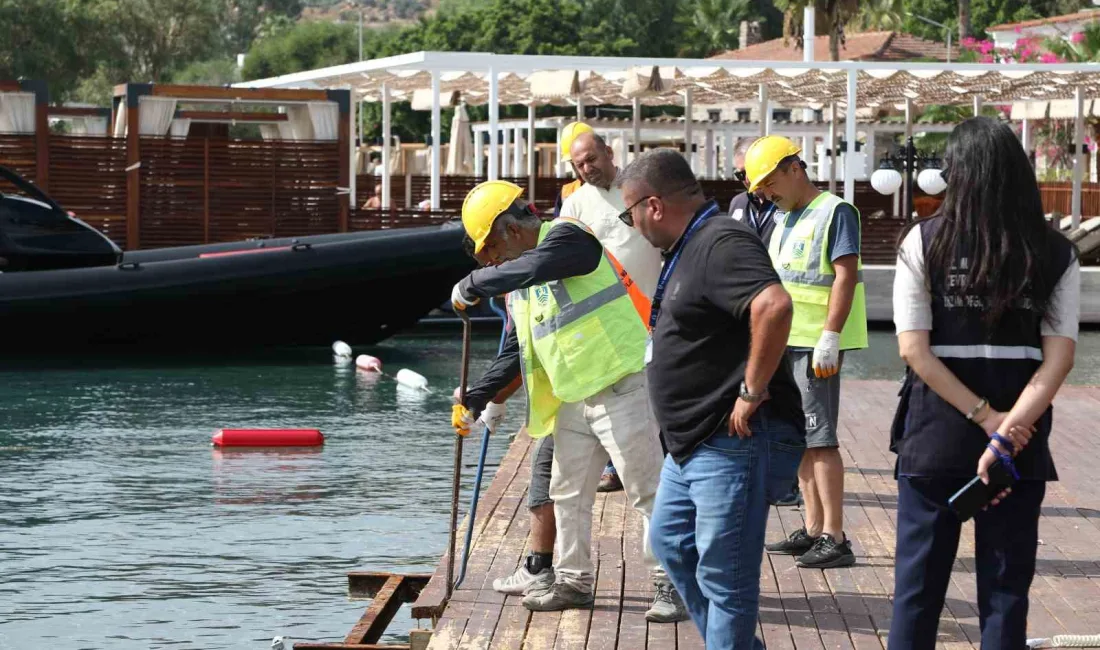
(626, 217)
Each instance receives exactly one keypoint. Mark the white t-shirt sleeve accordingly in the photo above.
(1065, 305)
(912, 299)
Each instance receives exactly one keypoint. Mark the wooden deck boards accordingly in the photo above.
(800, 609)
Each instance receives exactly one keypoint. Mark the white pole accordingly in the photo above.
(636, 120)
(832, 148)
(436, 121)
(531, 162)
(517, 152)
(869, 164)
(688, 136)
(808, 33)
(494, 111)
(809, 155)
(1025, 135)
(765, 114)
(387, 135)
(506, 152)
(850, 136)
(708, 151)
(559, 165)
(353, 158)
(1079, 152)
(479, 164)
(977, 105)
(580, 108)
(728, 154)
(624, 148)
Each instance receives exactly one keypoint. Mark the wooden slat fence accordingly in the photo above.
(18, 153)
(88, 178)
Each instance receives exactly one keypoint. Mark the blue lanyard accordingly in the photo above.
(762, 218)
(670, 265)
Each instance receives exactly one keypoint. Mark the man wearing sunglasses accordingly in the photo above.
(723, 394)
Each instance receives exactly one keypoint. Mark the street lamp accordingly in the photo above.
(887, 178)
(935, 24)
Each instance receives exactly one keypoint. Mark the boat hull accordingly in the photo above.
(357, 287)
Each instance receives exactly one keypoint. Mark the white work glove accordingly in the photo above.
(493, 415)
(459, 301)
(826, 360)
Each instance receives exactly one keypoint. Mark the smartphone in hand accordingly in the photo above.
(976, 494)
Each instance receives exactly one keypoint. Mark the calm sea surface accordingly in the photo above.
(121, 527)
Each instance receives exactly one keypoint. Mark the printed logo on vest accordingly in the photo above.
(542, 294)
(811, 420)
(799, 249)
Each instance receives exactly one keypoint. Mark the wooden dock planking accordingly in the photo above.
(800, 609)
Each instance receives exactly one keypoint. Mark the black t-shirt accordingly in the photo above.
(701, 340)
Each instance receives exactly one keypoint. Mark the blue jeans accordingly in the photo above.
(708, 525)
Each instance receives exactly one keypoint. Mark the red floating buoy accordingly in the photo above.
(268, 438)
(368, 363)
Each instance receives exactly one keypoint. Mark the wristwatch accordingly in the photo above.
(749, 397)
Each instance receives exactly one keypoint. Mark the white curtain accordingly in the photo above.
(460, 151)
(298, 125)
(155, 115)
(16, 112)
(119, 129)
(180, 127)
(95, 125)
(325, 117)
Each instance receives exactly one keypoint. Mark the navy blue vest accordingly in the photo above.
(930, 436)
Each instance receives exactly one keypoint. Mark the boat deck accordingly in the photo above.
(799, 608)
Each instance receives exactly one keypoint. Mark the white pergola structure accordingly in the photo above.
(718, 137)
(533, 80)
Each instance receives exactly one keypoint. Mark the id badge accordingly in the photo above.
(648, 350)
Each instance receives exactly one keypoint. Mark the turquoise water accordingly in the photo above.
(121, 527)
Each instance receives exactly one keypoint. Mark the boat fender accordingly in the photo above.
(341, 350)
(407, 377)
(268, 438)
(368, 363)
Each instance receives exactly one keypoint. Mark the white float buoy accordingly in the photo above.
(407, 377)
(368, 363)
(341, 350)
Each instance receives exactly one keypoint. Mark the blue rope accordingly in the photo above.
(499, 311)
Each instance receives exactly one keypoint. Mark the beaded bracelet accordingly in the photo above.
(977, 409)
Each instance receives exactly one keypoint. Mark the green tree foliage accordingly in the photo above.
(983, 14)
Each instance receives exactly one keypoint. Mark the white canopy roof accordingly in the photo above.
(563, 80)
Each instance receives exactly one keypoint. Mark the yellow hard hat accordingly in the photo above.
(483, 205)
(764, 155)
(569, 134)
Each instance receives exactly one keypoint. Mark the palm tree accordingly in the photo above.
(878, 15)
(830, 18)
(719, 21)
(964, 19)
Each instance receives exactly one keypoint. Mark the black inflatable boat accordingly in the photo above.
(64, 286)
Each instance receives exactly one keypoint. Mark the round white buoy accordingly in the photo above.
(407, 377)
(341, 349)
(368, 363)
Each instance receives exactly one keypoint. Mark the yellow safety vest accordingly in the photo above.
(577, 336)
(803, 264)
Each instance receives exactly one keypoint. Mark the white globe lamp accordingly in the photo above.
(931, 181)
(886, 180)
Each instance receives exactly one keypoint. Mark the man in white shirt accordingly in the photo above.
(597, 204)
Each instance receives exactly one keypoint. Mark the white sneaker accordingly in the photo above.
(523, 581)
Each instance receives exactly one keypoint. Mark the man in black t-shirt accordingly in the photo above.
(723, 393)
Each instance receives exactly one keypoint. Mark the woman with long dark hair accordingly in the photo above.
(986, 301)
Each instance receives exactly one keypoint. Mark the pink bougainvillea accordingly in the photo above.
(1077, 37)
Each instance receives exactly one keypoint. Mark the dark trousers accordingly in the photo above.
(1006, 538)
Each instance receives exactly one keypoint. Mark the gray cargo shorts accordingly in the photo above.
(542, 460)
(820, 400)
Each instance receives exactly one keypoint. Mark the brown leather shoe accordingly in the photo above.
(609, 482)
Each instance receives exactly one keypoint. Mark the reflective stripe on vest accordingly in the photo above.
(802, 263)
(572, 348)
